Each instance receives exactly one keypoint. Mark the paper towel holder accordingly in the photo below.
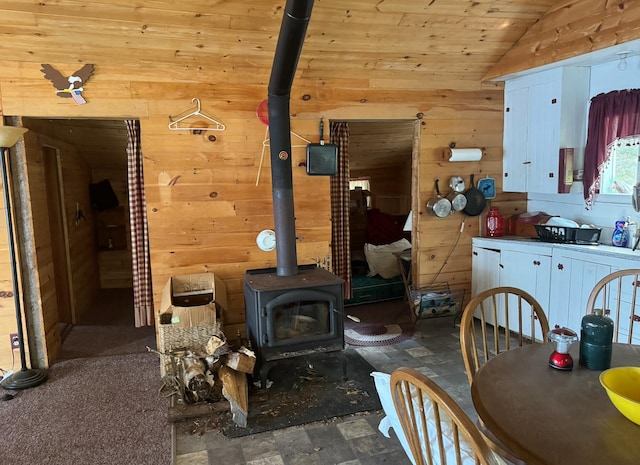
(467, 154)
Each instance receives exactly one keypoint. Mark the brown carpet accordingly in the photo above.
(102, 405)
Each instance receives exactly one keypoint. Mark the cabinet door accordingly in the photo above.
(485, 270)
(531, 273)
(544, 137)
(516, 127)
(543, 112)
(559, 295)
(572, 281)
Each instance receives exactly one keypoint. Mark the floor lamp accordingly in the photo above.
(26, 377)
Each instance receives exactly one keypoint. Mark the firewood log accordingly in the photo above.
(243, 360)
(197, 381)
(217, 345)
(236, 391)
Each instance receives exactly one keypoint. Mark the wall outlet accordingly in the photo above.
(15, 342)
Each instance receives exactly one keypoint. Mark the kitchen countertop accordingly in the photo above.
(533, 243)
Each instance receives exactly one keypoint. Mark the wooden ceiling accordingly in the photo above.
(380, 144)
(351, 44)
(403, 40)
(102, 143)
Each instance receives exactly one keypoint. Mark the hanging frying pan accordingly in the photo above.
(475, 200)
(322, 159)
(438, 205)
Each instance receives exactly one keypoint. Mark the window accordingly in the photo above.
(362, 183)
(621, 171)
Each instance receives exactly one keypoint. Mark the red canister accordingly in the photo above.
(494, 223)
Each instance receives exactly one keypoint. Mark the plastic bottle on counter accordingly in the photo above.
(620, 235)
(494, 223)
(596, 336)
(632, 229)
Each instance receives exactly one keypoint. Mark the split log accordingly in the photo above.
(197, 381)
(217, 345)
(236, 391)
(243, 360)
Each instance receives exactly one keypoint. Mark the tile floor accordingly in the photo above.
(353, 440)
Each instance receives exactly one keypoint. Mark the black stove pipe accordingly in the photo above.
(292, 33)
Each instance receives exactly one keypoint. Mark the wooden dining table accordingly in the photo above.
(552, 417)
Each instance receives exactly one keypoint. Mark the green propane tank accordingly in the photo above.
(596, 336)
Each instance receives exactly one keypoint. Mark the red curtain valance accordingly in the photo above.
(612, 115)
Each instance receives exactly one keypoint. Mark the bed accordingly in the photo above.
(375, 238)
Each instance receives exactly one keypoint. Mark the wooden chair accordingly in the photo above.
(617, 294)
(437, 429)
(521, 320)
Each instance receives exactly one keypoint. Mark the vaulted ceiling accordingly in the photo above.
(408, 40)
(416, 44)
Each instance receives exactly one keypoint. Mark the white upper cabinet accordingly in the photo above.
(543, 112)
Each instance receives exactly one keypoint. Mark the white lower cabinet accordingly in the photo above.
(559, 276)
(531, 272)
(485, 269)
(573, 277)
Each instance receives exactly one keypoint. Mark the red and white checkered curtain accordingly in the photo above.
(340, 239)
(141, 262)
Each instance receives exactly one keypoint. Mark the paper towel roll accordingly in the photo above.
(465, 154)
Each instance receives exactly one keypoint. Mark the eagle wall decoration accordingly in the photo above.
(71, 86)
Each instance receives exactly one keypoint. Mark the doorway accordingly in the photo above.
(383, 168)
(90, 245)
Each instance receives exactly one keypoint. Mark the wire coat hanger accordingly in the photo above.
(173, 125)
(266, 142)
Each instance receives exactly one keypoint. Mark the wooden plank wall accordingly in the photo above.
(391, 188)
(204, 207)
(82, 253)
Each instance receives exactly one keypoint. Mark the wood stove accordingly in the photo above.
(291, 310)
(292, 316)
